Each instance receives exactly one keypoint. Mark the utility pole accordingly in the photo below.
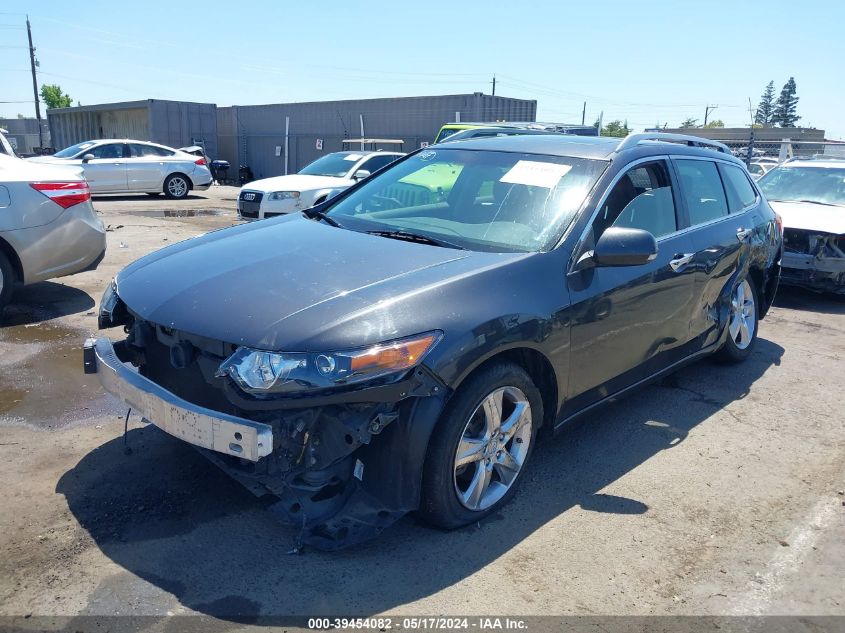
(32, 64)
(494, 85)
(584, 113)
(707, 111)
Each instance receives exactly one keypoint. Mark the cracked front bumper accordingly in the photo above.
(216, 431)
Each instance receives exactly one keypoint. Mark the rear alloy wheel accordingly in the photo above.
(7, 280)
(742, 323)
(480, 446)
(176, 187)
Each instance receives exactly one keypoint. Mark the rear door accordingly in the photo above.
(106, 172)
(720, 214)
(146, 167)
(629, 322)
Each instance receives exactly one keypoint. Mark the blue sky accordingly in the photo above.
(647, 61)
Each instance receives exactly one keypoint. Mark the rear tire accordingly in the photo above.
(177, 187)
(743, 320)
(459, 489)
(7, 280)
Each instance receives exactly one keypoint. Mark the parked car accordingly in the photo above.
(759, 167)
(809, 194)
(6, 147)
(370, 356)
(315, 183)
(126, 166)
(48, 227)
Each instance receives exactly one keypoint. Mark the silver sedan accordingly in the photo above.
(48, 227)
(127, 166)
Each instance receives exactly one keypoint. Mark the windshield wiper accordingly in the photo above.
(313, 214)
(408, 236)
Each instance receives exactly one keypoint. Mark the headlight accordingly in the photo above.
(260, 372)
(283, 195)
(108, 305)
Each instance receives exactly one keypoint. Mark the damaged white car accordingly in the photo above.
(809, 195)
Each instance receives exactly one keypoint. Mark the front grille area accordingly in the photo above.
(249, 202)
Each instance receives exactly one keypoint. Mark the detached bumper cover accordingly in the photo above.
(196, 425)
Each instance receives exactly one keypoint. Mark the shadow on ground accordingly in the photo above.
(808, 301)
(44, 301)
(136, 197)
(171, 518)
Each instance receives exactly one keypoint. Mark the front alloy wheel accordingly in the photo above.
(493, 448)
(480, 445)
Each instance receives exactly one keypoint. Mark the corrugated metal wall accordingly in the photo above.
(172, 123)
(252, 135)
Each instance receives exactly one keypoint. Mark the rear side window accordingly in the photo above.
(702, 189)
(140, 151)
(740, 192)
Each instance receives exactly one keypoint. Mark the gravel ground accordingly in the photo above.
(718, 491)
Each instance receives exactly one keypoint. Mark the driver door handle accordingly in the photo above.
(743, 234)
(680, 260)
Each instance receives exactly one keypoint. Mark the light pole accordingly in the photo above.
(707, 111)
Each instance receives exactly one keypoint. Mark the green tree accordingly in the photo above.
(52, 95)
(690, 122)
(786, 108)
(766, 108)
(616, 128)
(716, 123)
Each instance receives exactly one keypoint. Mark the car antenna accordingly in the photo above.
(126, 449)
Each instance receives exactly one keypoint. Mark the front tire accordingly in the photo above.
(177, 187)
(743, 319)
(480, 446)
(7, 280)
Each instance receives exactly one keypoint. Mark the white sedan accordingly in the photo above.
(126, 166)
(325, 177)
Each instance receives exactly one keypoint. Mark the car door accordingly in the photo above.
(106, 172)
(720, 238)
(629, 322)
(145, 167)
(720, 212)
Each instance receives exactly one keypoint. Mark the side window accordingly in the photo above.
(703, 191)
(641, 199)
(740, 192)
(377, 162)
(140, 150)
(110, 150)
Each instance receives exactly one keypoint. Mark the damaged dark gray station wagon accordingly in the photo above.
(408, 344)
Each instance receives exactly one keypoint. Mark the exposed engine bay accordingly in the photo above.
(814, 260)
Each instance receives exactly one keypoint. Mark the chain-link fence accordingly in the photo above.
(765, 153)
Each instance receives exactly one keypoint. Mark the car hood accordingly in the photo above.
(280, 283)
(810, 216)
(297, 182)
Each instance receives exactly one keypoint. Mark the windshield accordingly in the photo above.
(445, 133)
(337, 164)
(825, 185)
(478, 200)
(73, 150)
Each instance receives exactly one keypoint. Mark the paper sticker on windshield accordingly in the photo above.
(535, 174)
(353, 157)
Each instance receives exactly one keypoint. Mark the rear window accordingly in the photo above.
(740, 192)
(702, 190)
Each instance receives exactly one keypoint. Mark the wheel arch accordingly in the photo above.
(179, 173)
(13, 258)
(536, 365)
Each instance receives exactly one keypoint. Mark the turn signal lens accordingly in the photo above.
(392, 356)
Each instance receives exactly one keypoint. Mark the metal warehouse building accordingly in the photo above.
(273, 139)
(172, 123)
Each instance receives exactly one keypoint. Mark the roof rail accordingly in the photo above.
(693, 141)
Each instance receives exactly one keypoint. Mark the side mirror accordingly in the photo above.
(620, 246)
(361, 174)
(88, 157)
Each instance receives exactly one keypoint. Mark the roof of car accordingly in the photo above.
(815, 161)
(595, 147)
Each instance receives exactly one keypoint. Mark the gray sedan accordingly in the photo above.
(126, 166)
